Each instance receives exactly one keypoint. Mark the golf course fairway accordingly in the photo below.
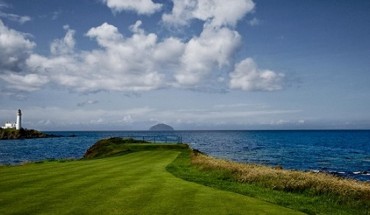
(135, 183)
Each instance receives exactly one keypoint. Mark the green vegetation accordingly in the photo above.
(105, 182)
(117, 146)
(311, 193)
(12, 133)
(136, 183)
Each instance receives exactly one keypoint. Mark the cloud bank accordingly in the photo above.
(141, 61)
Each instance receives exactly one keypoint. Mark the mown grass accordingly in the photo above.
(136, 183)
(308, 192)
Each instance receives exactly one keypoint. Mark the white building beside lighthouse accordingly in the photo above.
(17, 125)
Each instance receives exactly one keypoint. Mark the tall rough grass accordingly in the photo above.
(343, 190)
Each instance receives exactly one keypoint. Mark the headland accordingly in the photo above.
(12, 134)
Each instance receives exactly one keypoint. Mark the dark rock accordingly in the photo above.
(11, 134)
(197, 152)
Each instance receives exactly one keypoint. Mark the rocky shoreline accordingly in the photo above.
(13, 134)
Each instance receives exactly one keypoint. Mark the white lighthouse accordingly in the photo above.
(18, 125)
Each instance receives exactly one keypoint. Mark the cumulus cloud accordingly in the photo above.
(15, 49)
(136, 63)
(139, 6)
(214, 12)
(247, 76)
(140, 60)
(211, 50)
(106, 35)
(65, 45)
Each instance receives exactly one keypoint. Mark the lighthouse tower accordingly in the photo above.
(18, 125)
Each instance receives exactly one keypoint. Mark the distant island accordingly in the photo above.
(12, 134)
(161, 127)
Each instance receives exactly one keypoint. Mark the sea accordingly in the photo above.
(345, 153)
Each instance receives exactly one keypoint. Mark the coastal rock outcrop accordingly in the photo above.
(11, 134)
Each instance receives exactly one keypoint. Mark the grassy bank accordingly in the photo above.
(135, 183)
(308, 192)
(117, 146)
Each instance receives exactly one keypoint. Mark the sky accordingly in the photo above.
(192, 64)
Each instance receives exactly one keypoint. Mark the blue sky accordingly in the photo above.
(193, 64)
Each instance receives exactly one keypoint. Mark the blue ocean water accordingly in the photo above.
(342, 152)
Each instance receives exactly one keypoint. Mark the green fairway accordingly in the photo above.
(136, 183)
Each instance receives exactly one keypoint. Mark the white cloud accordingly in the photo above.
(214, 12)
(61, 69)
(136, 28)
(15, 48)
(106, 35)
(254, 22)
(55, 14)
(140, 61)
(139, 6)
(136, 63)
(28, 82)
(15, 17)
(301, 121)
(88, 102)
(169, 51)
(127, 119)
(248, 77)
(212, 50)
(65, 45)
(239, 105)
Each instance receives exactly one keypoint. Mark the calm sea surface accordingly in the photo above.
(345, 153)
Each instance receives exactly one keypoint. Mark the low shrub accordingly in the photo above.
(288, 180)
